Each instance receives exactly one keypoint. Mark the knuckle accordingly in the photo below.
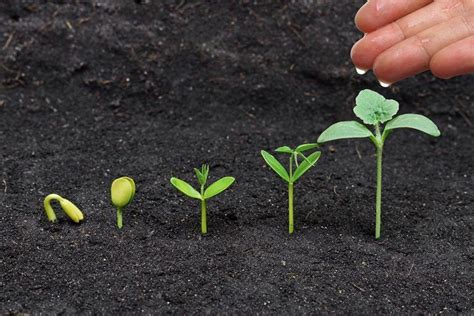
(455, 7)
(422, 42)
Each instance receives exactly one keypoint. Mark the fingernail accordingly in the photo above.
(360, 71)
(384, 84)
(380, 6)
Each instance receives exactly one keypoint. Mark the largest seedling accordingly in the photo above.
(373, 109)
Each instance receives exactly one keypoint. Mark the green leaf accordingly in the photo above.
(284, 149)
(71, 210)
(218, 186)
(415, 121)
(275, 165)
(202, 174)
(205, 171)
(373, 108)
(132, 183)
(185, 188)
(305, 147)
(301, 155)
(309, 162)
(199, 176)
(345, 129)
(122, 191)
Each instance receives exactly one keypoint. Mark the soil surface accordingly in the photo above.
(150, 89)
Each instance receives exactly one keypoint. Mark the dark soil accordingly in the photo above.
(151, 89)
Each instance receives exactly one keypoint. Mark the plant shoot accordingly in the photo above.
(122, 193)
(68, 207)
(373, 109)
(296, 170)
(203, 194)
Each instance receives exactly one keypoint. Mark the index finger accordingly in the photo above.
(378, 13)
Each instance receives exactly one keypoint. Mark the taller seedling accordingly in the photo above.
(373, 109)
(291, 176)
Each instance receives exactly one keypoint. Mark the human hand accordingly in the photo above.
(406, 37)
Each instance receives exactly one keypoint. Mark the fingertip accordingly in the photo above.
(386, 71)
(361, 55)
(438, 68)
(367, 49)
(364, 20)
(382, 73)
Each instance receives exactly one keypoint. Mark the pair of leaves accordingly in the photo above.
(374, 109)
(300, 149)
(213, 190)
(353, 129)
(281, 171)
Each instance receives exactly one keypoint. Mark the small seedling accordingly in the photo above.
(204, 194)
(69, 208)
(373, 109)
(291, 177)
(122, 193)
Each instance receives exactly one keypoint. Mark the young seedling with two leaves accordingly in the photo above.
(204, 194)
(293, 174)
(373, 109)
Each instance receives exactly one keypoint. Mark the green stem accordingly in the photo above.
(203, 217)
(48, 208)
(291, 226)
(119, 218)
(378, 197)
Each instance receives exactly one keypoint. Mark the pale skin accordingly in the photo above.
(407, 37)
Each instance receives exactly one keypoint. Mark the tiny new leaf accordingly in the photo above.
(305, 147)
(200, 176)
(373, 108)
(284, 149)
